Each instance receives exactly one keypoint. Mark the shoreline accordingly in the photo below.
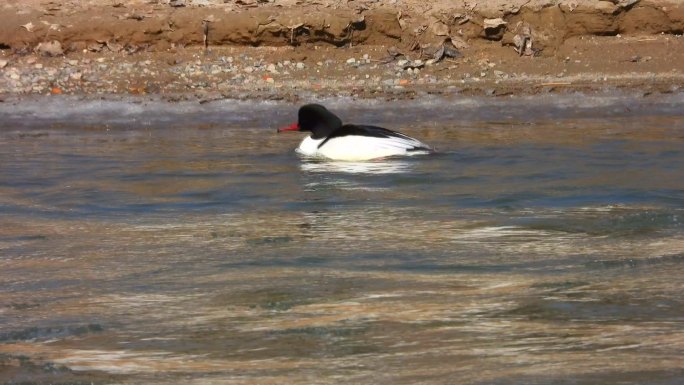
(403, 51)
(116, 112)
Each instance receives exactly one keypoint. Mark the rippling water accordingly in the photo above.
(152, 244)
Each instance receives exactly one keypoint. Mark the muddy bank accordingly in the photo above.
(158, 26)
(400, 49)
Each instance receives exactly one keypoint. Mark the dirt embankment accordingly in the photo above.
(162, 25)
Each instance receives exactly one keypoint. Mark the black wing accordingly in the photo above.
(370, 131)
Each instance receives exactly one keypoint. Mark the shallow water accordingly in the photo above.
(157, 244)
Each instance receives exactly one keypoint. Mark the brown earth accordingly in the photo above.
(135, 46)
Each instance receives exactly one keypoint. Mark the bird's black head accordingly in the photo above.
(317, 120)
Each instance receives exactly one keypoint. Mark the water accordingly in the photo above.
(156, 243)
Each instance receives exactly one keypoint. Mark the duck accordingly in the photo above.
(332, 140)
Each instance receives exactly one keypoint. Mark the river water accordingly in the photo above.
(160, 243)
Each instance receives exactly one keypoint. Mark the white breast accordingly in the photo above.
(356, 147)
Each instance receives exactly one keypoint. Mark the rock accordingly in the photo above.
(626, 3)
(271, 68)
(351, 61)
(29, 26)
(3, 63)
(52, 48)
(440, 29)
(494, 28)
(606, 7)
(249, 70)
(300, 65)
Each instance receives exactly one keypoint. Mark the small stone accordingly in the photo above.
(51, 48)
(14, 76)
(76, 76)
(249, 70)
(270, 80)
(72, 62)
(38, 66)
(351, 61)
(498, 73)
(3, 63)
(365, 56)
(402, 62)
(271, 68)
(300, 66)
(320, 63)
(483, 74)
(287, 63)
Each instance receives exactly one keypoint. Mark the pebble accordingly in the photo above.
(3, 63)
(300, 66)
(249, 70)
(271, 68)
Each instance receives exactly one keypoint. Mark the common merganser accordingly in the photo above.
(336, 141)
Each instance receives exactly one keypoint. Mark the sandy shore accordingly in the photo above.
(287, 49)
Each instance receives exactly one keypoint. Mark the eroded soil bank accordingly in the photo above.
(276, 49)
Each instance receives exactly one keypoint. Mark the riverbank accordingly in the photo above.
(283, 50)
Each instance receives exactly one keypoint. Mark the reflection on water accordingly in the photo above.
(543, 252)
(391, 166)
